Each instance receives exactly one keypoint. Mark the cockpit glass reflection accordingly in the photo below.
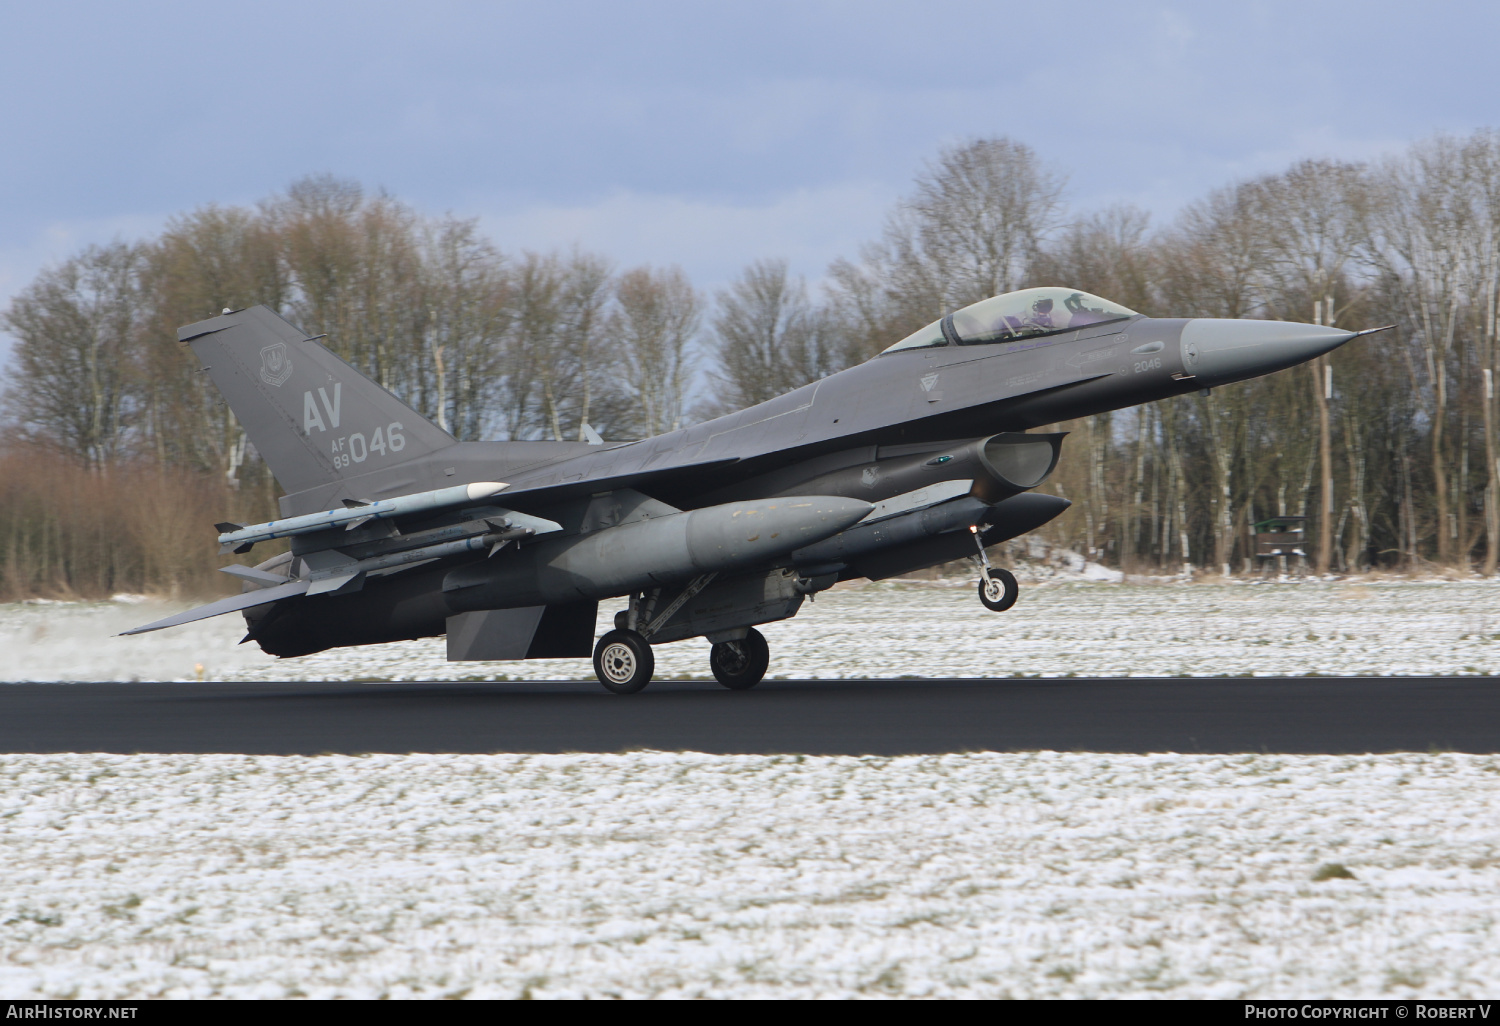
(1032, 312)
(1016, 315)
(926, 338)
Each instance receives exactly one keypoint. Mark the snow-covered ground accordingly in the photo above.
(936, 629)
(982, 875)
(680, 874)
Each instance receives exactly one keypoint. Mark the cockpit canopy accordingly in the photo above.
(1016, 315)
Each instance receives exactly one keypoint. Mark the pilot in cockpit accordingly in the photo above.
(1041, 315)
(1080, 314)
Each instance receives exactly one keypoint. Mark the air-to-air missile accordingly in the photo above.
(926, 453)
(239, 538)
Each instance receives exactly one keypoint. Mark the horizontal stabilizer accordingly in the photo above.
(232, 604)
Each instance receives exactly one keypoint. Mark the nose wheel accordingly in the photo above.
(624, 662)
(998, 589)
(740, 665)
(997, 586)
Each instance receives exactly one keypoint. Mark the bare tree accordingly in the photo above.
(1481, 156)
(356, 265)
(205, 261)
(1106, 253)
(979, 216)
(1212, 258)
(971, 229)
(656, 318)
(558, 367)
(1208, 266)
(468, 291)
(586, 288)
(1315, 214)
(78, 328)
(535, 347)
(770, 338)
(1425, 207)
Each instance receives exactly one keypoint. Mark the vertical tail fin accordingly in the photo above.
(314, 418)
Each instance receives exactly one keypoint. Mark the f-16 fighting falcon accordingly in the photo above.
(919, 456)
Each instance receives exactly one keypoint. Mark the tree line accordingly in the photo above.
(1389, 445)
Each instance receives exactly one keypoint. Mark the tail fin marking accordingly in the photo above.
(313, 417)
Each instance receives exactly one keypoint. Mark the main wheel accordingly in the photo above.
(740, 665)
(623, 662)
(998, 590)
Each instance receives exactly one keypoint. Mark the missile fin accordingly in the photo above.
(226, 527)
(331, 571)
(325, 585)
(250, 575)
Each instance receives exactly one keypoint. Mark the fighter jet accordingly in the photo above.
(924, 454)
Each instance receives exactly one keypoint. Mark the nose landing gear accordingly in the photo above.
(997, 586)
(998, 589)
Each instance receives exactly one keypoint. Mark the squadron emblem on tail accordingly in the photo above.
(275, 364)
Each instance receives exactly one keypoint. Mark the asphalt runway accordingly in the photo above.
(1294, 715)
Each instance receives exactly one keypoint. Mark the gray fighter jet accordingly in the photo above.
(917, 457)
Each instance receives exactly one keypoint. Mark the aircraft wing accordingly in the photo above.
(544, 491)
(227, 605)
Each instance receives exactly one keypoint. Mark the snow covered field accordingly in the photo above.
(880, 630)
(681, 874)
(652, 874)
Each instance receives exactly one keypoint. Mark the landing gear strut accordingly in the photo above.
(997, 586)
(740, 665)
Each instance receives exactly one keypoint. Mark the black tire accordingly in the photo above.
(740, 665)
(999, 591)
(623, 662)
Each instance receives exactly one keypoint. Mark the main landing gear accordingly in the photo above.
(997, 586)
(740, 665)
(624, 662)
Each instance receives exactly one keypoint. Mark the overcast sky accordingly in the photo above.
(702, 134)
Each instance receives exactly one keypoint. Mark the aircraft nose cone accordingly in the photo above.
(1218, 351)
